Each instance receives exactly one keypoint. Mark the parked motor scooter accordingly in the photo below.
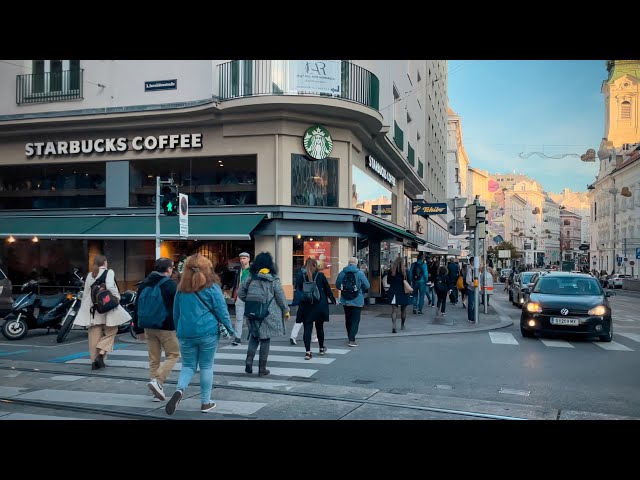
(31, 311)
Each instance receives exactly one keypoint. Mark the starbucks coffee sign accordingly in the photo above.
(374, 165)
(317, 142)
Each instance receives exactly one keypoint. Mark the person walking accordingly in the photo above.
(454, 273)
(239, 303)
(314, 306)
(442, 286)
(397, 295)
(418, 274)
(352, 283)
(487, 277)
(432, 268)
(198, 307)
(102, 326)
(463, 290)
(154, 313)
(471, 291)
(264, 270)
(295, 330)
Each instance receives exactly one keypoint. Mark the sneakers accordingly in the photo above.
(173, 402)
(207, 407)
(353, 344)
(308, 356)
(156, 389)
(415, 311)
(323, 350)
(235, 343)
(292, 341)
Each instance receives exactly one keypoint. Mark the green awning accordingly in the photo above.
(201, 227)
(396, 231)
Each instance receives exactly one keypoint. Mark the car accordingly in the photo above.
(520, 282)
(567, 303)
(615, 281)
(5, 294)
(504, 275)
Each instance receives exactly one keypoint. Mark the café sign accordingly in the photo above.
(374, 165)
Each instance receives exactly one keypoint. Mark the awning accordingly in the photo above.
(430, 248)
(396, 231)
(201, 227)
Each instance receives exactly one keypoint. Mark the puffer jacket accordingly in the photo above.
(273, 324)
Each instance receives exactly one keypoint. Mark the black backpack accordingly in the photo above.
(310, 291)
(349, 290)
(102, 299)
(441, 284)
(417, 272)
(260, 294)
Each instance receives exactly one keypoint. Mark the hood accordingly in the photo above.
(350, 268)
(152, 279)
(266, 276)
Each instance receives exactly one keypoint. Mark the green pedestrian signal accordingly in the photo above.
(170, 199)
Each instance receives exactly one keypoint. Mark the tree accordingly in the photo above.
(511, 247)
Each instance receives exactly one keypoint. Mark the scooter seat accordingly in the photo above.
(50, 301)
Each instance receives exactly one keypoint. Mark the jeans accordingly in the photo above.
(352, 321)
(430, 295)
(198, 351)
(471, 304)
(418, 295)
(237, 326)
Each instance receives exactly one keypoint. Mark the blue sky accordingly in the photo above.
(512, 106)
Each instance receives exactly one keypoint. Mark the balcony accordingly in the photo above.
(49, 87)
(337, 79)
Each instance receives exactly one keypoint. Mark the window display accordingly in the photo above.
(314, 183)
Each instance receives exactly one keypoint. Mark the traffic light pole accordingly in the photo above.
(476, 267)
(158, 217)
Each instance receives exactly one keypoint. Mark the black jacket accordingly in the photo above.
(308, 312)
(168, 290)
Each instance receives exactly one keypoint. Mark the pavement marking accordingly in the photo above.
(511, 391)
(10, 391)
(613, 346)
(15, 352)
(288, 372)
(296, 349)
(633, 336)
(503, 338)
(73, 356)
(67, 378)
(242, 357)
(264, 385)
(32, 416)
(556, 343)
(620, 318)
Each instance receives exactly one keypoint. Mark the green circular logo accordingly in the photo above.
(317, 142)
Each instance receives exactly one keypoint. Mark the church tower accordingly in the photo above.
(621, 92)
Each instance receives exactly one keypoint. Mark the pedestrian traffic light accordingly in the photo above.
(170, 199)
(481, 214)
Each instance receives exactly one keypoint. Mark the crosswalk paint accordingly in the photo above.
(295, 349)
(10, 391)
(633, 336)
(556, 343)
(263, 385)
(217, 367)
(239, 356)
(613, 346)
(503, 338)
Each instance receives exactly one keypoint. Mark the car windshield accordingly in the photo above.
(568, 286)
(526, 277)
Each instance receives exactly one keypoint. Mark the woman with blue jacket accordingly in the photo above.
(353, 306)
(197, 309)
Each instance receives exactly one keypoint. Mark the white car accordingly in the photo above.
(616, 280)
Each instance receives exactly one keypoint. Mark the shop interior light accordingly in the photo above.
(34, 239)
(299, 236)
(11, 239)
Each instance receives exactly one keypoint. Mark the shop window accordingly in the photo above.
(213, 181)
(369, 196)
(72, 185)
(314, 183)
(323, 249)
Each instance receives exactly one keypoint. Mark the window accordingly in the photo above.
(50, 80)
(314, 183)
(625, 110)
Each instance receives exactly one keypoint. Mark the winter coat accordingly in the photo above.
(314, 312)
(273, 324)
(396, 289)
(112, 318)
(361, 281)
(168, 292)
(194, 320)
(425, 273)
(454, 272)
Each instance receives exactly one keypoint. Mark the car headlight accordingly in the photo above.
(599, 310)
(534, 308)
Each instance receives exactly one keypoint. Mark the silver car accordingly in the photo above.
(520, 282)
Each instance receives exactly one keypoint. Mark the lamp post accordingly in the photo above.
(612, 231)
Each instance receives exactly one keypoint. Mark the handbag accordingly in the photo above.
(460, 283)
(407, 288)
(222, 330)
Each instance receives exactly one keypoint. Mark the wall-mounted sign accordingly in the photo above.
(122, 144)
(160, 85)
(426, 209)
(584, 247)
(381, 209)
(316, 76)
(374, 165)
(317, 142)
(321, 251)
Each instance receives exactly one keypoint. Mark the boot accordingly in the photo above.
(402, 324)
(262, 363)
(393, 325)
(249, 363)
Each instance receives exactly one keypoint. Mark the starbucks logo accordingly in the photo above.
(317, 142)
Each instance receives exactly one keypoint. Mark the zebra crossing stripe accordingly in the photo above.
(503, 338)
(633, 336)
(613, 346)
(293, 348)
(556, 343)
(240, 356)
(263, 385)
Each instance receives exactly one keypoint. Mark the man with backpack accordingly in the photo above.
(352, 283)
(418, 276)
(154, 314)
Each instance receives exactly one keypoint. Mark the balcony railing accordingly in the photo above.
(49, 87)
(338, 79)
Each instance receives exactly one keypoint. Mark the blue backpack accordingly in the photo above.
(151, 310)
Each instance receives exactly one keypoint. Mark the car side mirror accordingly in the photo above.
(526, 290)
(610, 294)
(530, 285)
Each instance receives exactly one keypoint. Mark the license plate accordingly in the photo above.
(565, 321)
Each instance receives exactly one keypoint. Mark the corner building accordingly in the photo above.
(293, 157)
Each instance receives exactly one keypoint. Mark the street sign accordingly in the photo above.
(584, 247)
(619, 260)
(456, 226)
(632, 263)
(184, 215)
(637, 253)
(425, 209)
(504, 253)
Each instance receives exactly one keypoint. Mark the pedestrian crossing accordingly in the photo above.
(285, 361)
(505, 338)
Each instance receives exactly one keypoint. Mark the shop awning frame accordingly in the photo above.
(396, 231)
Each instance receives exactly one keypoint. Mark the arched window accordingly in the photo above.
(625, 110)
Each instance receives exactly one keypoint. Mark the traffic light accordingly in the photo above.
(470, 217)
(170, 199)
(481, 214)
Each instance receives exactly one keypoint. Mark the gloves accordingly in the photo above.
(287, 315)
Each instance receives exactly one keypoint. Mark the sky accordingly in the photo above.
(508, 107)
